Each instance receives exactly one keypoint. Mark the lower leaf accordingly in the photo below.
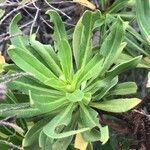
(62, 119)
(117, 105)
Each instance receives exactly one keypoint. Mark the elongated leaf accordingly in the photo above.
(45, 51)
(110, 48)
(134, 45)
(104, 134)
(136, 34)
(65, 56)
(34, 66)
(117, 5)
(26, 84)
(143, 11)
(107, 87)
(62, 118)
(21, 110)
(123, 67)
(99, 84)
(123, 89)
(64, 142)
(33, 134)
(47, 103)
(59, 28)
(124, 57)
(89, 118)
(45, 142)
(18, 38)
(82, 45)
(91, 70)
(61, 43)
(117, 105)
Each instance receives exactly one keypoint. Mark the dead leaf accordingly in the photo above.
(80, 143)
(86, 3)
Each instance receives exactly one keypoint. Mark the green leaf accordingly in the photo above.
(123, 89)
(34, 66)
(117, 6)
(110, 48)
(89, 118)
(47, 54)
(125, 56)
(117, 105)
(134, 45)
(143, 11)
(26, 84)
(64, 142)
(82, 44)
(106, 88)
(62, 119)
(21, 110)
(123, 67)
(99, 84)
(45, 142)
(87, 98)
(91, 70)
(65, 57)
(62, 44)
(59, 28)
(136, 34)
(104, 134)
(33, 134)
(76, 96)
(18, 38)
(47, 103)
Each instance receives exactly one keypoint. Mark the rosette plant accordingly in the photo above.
(69, 83)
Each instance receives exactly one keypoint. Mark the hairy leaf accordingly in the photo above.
(117, 105)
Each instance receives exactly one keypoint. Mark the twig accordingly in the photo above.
(9, 37)
(57, 9)
(5, 37)
(62, 2)
(70, 24)
(96, 3)
(3, 5)
(34, 20)
(26, 10)
(46, 22)
(70, 8)
(142, 113)
(11, 12)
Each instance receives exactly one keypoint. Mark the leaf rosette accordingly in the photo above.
(69, 83)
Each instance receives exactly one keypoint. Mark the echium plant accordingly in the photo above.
(69, 83)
